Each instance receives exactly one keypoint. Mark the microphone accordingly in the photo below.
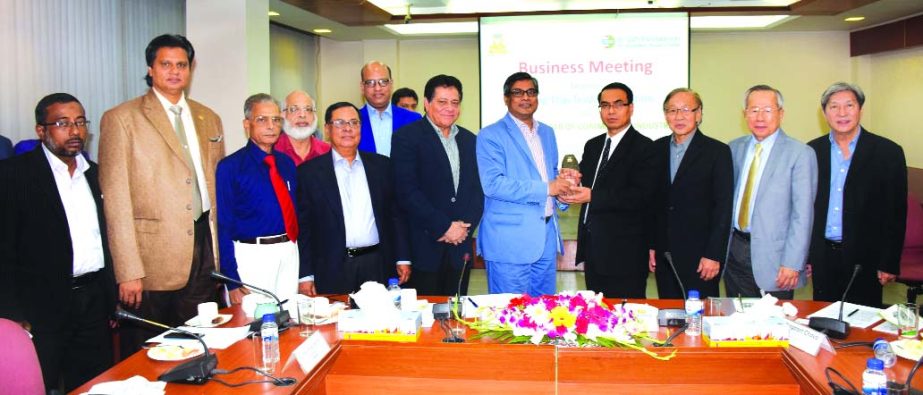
(673, 317)
(195, 371)
(451, 337)
(682, 288)
(282, 318)
(836, 327)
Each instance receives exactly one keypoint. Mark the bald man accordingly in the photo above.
(379, 118)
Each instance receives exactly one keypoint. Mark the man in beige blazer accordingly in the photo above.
(158, 154)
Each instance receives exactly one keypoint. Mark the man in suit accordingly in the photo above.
(692, 203)
(351, 228)
(618, 166)
(519, 236)
(775, 178)
(55, 268)
(435, 168)
(379, 118)
(6, 148)
(158, 154)
(861, 209)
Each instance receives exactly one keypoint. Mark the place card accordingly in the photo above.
(311, 351)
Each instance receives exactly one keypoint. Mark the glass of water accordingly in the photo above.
(306, 315)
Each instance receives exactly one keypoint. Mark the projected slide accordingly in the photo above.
(574, 56)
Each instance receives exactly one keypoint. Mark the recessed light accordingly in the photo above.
(434, 28)
(322, 31)
(273, 13)
(854, 19)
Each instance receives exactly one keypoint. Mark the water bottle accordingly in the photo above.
(874, 381)
(394, 289)
(694, 308)
(884, 352)
(269, 332)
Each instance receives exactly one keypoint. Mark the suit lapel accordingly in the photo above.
(860, 157)
(823, 168)
(442, 157)
(328, 182)
(156, 115)
(773, 163)
(516, 135)
(618, 154)
(692, 152)
(45, 182)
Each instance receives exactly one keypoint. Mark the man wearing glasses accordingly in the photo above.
(55, 269)
(618, 180)
(257, 224)
(775, 181)
(298, 141)
(692, 203)
(351, 229)
(379, 118)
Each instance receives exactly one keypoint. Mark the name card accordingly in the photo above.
(309, 353)
(807, 339)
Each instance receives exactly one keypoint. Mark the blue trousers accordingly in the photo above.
(535, 278)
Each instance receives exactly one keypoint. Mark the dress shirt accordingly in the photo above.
(677, 152)
(614, 141)
(839, 169)
(766, 145)
(358, 216)
(451, 150)
(81, 212)
(192, 139)
(538, 156)
(247, 204)
(284, 145)
(381, 123)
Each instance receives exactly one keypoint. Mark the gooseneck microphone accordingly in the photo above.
(673, 317)
(836, 327)
(195, 371)
(282, 318)
(682, 288)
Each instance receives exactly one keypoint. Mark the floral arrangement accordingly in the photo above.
(577, 320)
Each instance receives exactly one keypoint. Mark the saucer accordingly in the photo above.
(221, 320)
(169, 352)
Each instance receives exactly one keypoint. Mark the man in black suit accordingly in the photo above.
(617, 168)
(861, 206)
(692, 204)
(435, 168)
(351, 229)
(55, 269)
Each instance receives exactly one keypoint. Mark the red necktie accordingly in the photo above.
(285, 200)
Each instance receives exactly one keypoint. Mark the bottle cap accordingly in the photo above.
(875, 363)
(392, 281)
(693, 293)
(269, 317)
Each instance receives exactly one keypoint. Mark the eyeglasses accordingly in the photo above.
(80, 123)
(673, 112)
(382, 82)
(264, 120)
(519, 92)
(754, 111)
(342, 123)
(617, 106)
(296, 109)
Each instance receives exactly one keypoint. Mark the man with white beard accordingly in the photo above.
(298, 141)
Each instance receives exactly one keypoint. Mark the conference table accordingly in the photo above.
(485, 366)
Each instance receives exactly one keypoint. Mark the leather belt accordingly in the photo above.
(84, 279)
(742, 235)
(834, 245)
(359, 251)
(266, 240)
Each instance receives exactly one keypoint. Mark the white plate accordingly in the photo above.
(170, 352)
(908, 348)
(222, 319)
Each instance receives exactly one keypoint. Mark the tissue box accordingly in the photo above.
(741, 331)
(356, 326)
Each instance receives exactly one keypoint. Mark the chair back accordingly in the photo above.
(20, 372)
(912, 255)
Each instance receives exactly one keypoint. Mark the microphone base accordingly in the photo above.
(197, 371)
(282, 320)
(832, 327)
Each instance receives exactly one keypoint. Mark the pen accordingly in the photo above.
(853, 312)
(472, 303)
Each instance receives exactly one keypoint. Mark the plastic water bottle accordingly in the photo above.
(874, 381)
(395, 290)
(269, 332)
(884, 352)
(694, 309)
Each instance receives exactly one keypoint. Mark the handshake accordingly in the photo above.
(567, 187)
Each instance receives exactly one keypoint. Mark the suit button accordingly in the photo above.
(189, 232)
(452, 200)
(670, 208)
(188, 181)
(188, 207)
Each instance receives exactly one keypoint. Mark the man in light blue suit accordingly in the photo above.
(519, 236)
(775, 178)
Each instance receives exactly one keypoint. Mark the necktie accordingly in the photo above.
(181, 135)
(743, 218)
(602, 165)
(285, 200)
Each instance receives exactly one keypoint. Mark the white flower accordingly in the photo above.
(537, 338)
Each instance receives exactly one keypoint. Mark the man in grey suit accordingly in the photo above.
(775, 179)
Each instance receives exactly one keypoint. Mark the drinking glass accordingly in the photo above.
(306, 315)
(907, 320)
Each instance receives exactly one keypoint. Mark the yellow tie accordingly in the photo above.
(743, 218)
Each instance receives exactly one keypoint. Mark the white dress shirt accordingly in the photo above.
(358, 217)
(192, 139)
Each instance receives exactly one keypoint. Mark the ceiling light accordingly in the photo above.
(737, 21)
(434, 28)
(322, 31)
(854, 19)
(273, 13)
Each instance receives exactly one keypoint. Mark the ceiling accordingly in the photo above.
(352, 20)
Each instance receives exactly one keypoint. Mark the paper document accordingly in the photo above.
(216, 338)
(858, 316)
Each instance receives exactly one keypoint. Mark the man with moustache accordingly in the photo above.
(298, 141)
(55, 269)
(519, 236)
(861, 209)
(775, 178)
(692, 203)
(435, 168)
(157, 155)
(379, 118)
(257, 224)
(618, 166)
(351, 228)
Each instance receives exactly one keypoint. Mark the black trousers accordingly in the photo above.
(833, 273)
(174, 307)
(444, 281)
(362, 268)
(631, 280)
(669, 288)
(80, 349)
(738, 277)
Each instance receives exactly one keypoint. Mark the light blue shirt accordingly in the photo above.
(451, 150)
(381, 122)
(766, 145)
(839, 169)
(677, 152)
